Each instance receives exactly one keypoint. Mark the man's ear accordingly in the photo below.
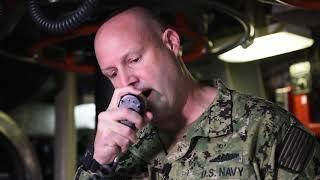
(171, 40)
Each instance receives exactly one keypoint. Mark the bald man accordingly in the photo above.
(190, 130)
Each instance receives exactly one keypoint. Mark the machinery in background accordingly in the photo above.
(297, 97)
(18, 160)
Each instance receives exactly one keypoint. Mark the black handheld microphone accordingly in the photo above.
(136, 103)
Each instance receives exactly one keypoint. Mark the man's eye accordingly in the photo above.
(135, 60)
(112, 75)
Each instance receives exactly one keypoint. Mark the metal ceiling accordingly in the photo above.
(23, 73)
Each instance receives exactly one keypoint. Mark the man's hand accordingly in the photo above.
(112, 136)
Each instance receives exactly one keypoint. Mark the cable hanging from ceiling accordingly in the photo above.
(65, 24)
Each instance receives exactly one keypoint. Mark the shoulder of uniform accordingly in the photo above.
(278, 128)
(249, 106)
(259, 117)
(295, 148)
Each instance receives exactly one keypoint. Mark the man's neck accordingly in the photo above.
(198, 100)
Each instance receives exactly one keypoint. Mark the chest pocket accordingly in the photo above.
(216, 158)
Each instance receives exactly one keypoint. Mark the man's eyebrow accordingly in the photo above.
(124, 57)
(103, 70)
(107, 68)
(130, 52)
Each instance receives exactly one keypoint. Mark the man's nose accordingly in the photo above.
(128, 79)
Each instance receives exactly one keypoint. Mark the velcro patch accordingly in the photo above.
(295, 149)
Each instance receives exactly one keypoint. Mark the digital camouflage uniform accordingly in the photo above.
(238, 137)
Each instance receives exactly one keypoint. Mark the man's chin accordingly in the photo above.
(157, 124)
(159, 121)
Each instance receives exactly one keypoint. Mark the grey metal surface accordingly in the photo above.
(23, 146)
(65, 131)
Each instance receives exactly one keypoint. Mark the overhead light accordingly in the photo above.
(267, 46)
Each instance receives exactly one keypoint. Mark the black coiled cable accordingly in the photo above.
(65, 24)
(1, 9)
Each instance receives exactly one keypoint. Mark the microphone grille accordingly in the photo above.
(133, 102)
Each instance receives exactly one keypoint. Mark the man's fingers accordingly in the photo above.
(148, 116)
(118, 93)
(118, 129)
(108, 117)
(122, 141)
(112, 136)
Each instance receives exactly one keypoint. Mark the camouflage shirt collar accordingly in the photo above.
(216, 120)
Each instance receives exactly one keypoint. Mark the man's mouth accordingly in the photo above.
(147, 93)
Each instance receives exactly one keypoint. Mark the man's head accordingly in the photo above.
(134, 49)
